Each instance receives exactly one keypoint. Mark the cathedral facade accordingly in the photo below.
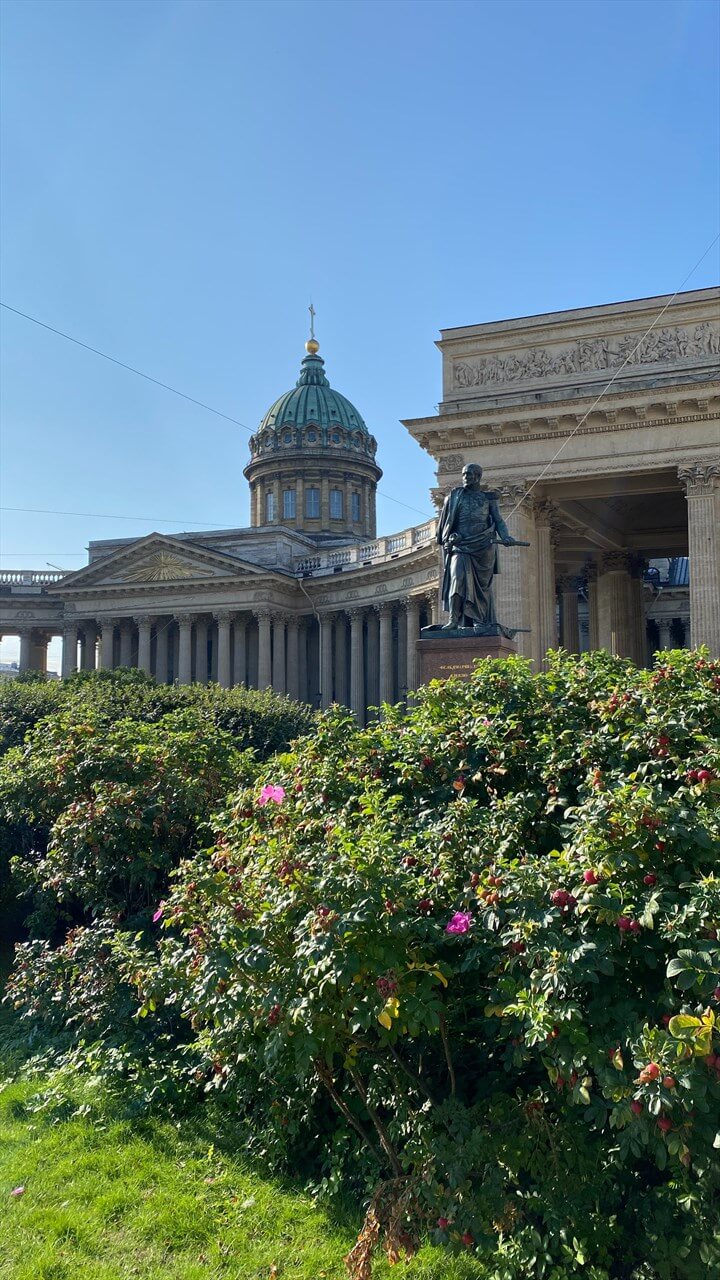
(599, 430)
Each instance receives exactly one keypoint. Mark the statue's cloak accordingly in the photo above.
(471, 563)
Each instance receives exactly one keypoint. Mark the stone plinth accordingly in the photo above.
(441, 657)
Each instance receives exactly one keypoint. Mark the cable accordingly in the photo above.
(166, 387)
(616, 375)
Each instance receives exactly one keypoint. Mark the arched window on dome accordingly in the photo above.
(287, 437)
(335, 437)
(269, 506)
(311, 436)
(355, 504)
(312, 503)
(288, 504)
(336, 504)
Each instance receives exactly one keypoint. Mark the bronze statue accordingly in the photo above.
(469, 530)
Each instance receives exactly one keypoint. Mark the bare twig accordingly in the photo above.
(380, 1129)
(448, 1056)
(325, 1076)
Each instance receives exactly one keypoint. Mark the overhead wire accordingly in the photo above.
(616, 375)
(218, 413)
(166, 386)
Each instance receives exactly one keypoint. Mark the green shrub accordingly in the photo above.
(105, 777)
(472, 954)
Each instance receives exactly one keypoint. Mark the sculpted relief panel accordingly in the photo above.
(662, 346)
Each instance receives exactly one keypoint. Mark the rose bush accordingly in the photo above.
(468, 958)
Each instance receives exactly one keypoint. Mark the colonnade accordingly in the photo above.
(358, 657)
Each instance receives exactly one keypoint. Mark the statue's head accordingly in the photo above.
(472, 475)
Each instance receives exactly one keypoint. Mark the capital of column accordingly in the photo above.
(590, 572)
(547, 513)
(108, 622)
(637, 564)
(145, 620)
(186, 619)
(512, 493)
(225, 616)
(438, 496)
(357, 613)
(568, 582)
(699, 477)
(383, 606)
(616, 562)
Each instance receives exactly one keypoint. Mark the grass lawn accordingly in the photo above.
(107, 1198)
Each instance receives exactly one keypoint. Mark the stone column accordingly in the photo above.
(515, 584)
(161, 650)
(545, 521)
(385, 611)
(278, 660)
(664, 626)
(569, 586)
(264, 649)
(637, 624)
(614, 605)
(39, 641)
(324, 503)
(591, 578)
(224, 622)
(292, 656)
(326, 659)
(88, 646)
(69, 651)
(357, 664)
(372, 661)
(341, 684)
(402, 650)
(107, 642)
(304, 693)
(373, 514)
(144, 626)
(413, 635)
(24, 663)
(185, 626)
(702, 488)
(368, 531)
(201, 651)
(240, 651)
(126, 639)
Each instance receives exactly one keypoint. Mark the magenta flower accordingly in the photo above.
(17, 1192)
(271, 793)
(158, 913)
(460, 922)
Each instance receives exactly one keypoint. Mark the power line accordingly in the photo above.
(166, 387)
(616, 375)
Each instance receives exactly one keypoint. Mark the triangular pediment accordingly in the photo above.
(161, 560)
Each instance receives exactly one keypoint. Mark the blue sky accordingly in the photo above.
(181, 178)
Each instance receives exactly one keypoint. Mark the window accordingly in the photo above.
(269, 506)
(336, 504)
(287, 438)
(312, 436)
(312, 503)
(288, 504)
(336, 437)
(356, 508)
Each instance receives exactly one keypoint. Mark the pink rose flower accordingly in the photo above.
(158, 913)
(460, 922)
(271, 793)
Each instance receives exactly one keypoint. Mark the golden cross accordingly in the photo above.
(312, 311)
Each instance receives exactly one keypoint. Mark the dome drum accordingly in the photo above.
(312, 464)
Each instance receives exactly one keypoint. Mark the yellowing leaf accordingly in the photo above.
(390, 1010)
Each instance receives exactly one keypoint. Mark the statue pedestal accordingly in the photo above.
(442, 656)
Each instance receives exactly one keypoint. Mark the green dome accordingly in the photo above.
(312, 401)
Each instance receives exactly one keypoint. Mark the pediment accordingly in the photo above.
(162, 560)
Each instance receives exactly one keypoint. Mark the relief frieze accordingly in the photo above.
(589, 355)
